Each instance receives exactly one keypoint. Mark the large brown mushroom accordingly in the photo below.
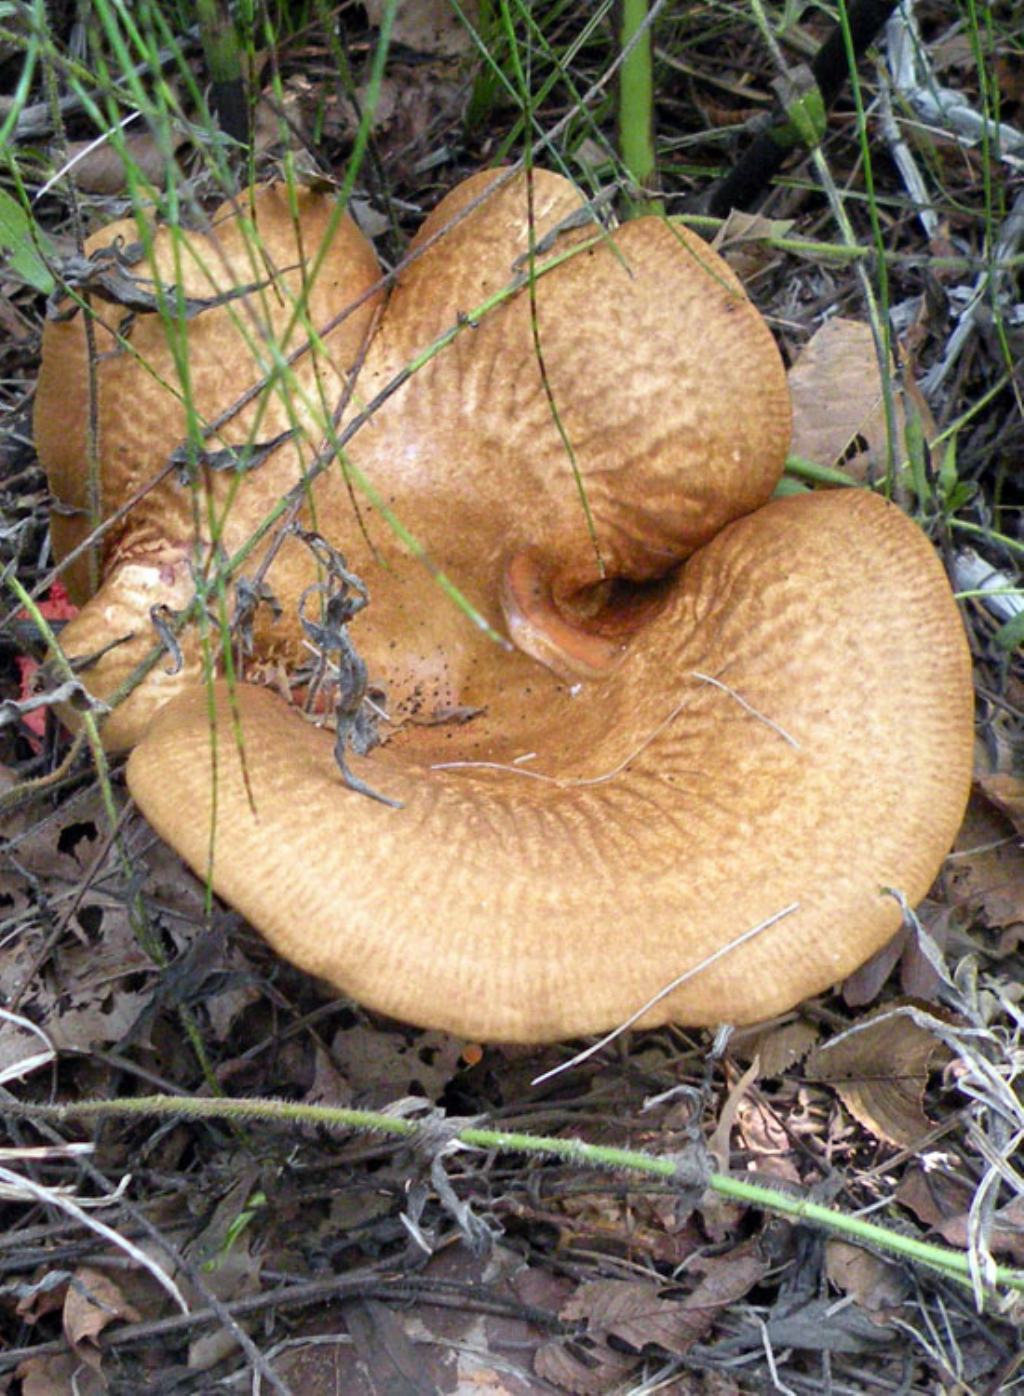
(723, 766)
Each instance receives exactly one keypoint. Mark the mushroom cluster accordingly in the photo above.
(727, 729)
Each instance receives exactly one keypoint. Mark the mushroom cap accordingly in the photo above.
(662, 818)
(249, 286)
(783, 718)
(648, 341)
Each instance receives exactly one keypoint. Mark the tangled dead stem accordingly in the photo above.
(309, 1262)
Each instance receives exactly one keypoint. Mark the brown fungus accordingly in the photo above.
(744, 712)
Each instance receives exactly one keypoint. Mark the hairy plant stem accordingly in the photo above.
(680, 1169)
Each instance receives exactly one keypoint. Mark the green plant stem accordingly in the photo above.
(843, 252)
(636, 105)
(818, 474)
(990, 535)
(223, 59)
(878, 313)
(523, 84)
(953, 1265)
(23, 90)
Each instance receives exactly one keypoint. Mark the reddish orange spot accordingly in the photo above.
(54, 606)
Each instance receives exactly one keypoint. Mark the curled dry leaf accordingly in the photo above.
(879, 1069)
(986, 871)
(742, 227)
(868, 1279)
(942, 1202)
(743, 241)
(718, 1144)
(1006, 792)
(93, 1301)
(633, 1315)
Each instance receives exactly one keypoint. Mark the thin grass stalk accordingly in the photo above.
(23, 88)
(526, 105)
(879, 315)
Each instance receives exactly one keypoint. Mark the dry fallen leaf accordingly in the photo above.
(865, 984)
(1006, 792)
(101, 170)
(586, 1365)
(821, 1325)
(230, 1268)
(382, 1065)
(879, 1068)
(631, 1314)
(933, 1194)
(94, 1000)
(429, 26)
(719, 1142)
(942, 1202)
(1004, 1238)
(45, 1296)
(743, 241)
(871, 1281)
(919, 975)
(777, 1048)
(838, 403)
(986, 869)
(57, 1374)
(92, 1302)
(458, 1350)
(385, 1349)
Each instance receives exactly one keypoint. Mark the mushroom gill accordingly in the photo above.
(720, 711)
